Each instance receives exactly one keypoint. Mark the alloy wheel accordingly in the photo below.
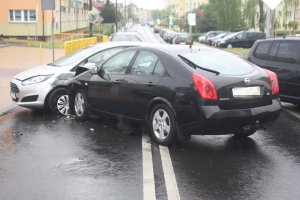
(79, 104)
(161, 124)
(63, 105)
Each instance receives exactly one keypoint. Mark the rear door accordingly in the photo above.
(288, 68)
(142, 84)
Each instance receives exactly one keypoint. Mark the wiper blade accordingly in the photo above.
(191, 63)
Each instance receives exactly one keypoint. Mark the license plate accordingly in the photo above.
(246, 91)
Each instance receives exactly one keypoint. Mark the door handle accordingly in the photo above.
(117, 81)
(149, 84)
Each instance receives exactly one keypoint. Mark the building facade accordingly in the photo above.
(26, 17)
(181, 7)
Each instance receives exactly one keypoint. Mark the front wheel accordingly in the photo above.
(162, 125)
(229, 46)
(59, 101)
(80, 106)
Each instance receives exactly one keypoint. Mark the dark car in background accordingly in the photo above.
(177, 91)
(242, 39)
(180, 38)
(282, 56)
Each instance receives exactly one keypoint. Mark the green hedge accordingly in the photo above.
(105, 29)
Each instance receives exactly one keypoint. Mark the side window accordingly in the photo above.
(273, 51)
(134, 38)
(119, 63)
(289, 52)
(159, 70)
(100, 57)
(239, 36)
(262, 50)
(144, 63)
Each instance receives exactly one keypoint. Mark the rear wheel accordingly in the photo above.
(80, 106)
(229, 46)
(58, 101)
(162, 124)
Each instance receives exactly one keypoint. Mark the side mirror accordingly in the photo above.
(89, 66)
(101, 73)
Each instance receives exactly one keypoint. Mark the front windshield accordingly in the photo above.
(74, 58)
(224, 63)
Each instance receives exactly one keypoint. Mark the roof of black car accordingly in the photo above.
(289, 38)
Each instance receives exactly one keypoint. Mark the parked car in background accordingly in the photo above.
(163, 31)
(242, 39)
(168, 34)
(127, 36)
(282, 56)
(201, 39)
(210, 40)
(44, 86)
(215, 40)
(156, 29)
(210, 35)
(180, 38)
(178, 92)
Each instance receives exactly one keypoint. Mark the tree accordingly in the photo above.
(108, 13)
(249, 13)
(227, 14)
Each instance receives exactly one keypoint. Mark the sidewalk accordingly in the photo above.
(14, 60)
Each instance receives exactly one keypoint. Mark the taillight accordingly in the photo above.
(205, 87)
(273, 81)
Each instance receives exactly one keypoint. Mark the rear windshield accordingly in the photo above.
(224, 63)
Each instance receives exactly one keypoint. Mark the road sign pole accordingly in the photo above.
(52, 35)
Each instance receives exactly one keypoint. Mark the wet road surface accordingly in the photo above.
(45, 156)
(49, 157)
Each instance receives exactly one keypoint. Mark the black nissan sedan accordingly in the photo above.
(179, 91)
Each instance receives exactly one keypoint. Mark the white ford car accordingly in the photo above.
(43, 87)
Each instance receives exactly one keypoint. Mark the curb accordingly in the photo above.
(7, 109)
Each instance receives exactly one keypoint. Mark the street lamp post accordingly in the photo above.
(116, 16)
(91, 24)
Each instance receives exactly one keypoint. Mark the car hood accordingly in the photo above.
(39, 70)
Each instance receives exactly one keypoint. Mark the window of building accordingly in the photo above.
(22, 16)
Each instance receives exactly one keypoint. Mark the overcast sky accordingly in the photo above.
(146, 4)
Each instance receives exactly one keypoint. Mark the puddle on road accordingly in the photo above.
(85, 166)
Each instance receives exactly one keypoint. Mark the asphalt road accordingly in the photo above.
(44, 156)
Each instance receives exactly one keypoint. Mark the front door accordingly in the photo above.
(105, 91)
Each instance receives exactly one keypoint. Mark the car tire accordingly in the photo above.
(162, 125)
(229, 46)
(80, 106)
(58, 101)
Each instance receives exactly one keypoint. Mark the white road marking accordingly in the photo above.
(295, 114)
(148, 174)
(170, 180)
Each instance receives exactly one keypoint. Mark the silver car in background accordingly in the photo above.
(44, 86)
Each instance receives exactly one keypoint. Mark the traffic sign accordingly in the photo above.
(93, 17)
(192, 19)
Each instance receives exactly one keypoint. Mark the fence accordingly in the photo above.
(74, 45)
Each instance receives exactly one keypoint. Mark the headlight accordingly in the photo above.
(36, 79)
(222, 41)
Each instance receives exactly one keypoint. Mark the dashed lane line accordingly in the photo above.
(170, 179)
(148, 173)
